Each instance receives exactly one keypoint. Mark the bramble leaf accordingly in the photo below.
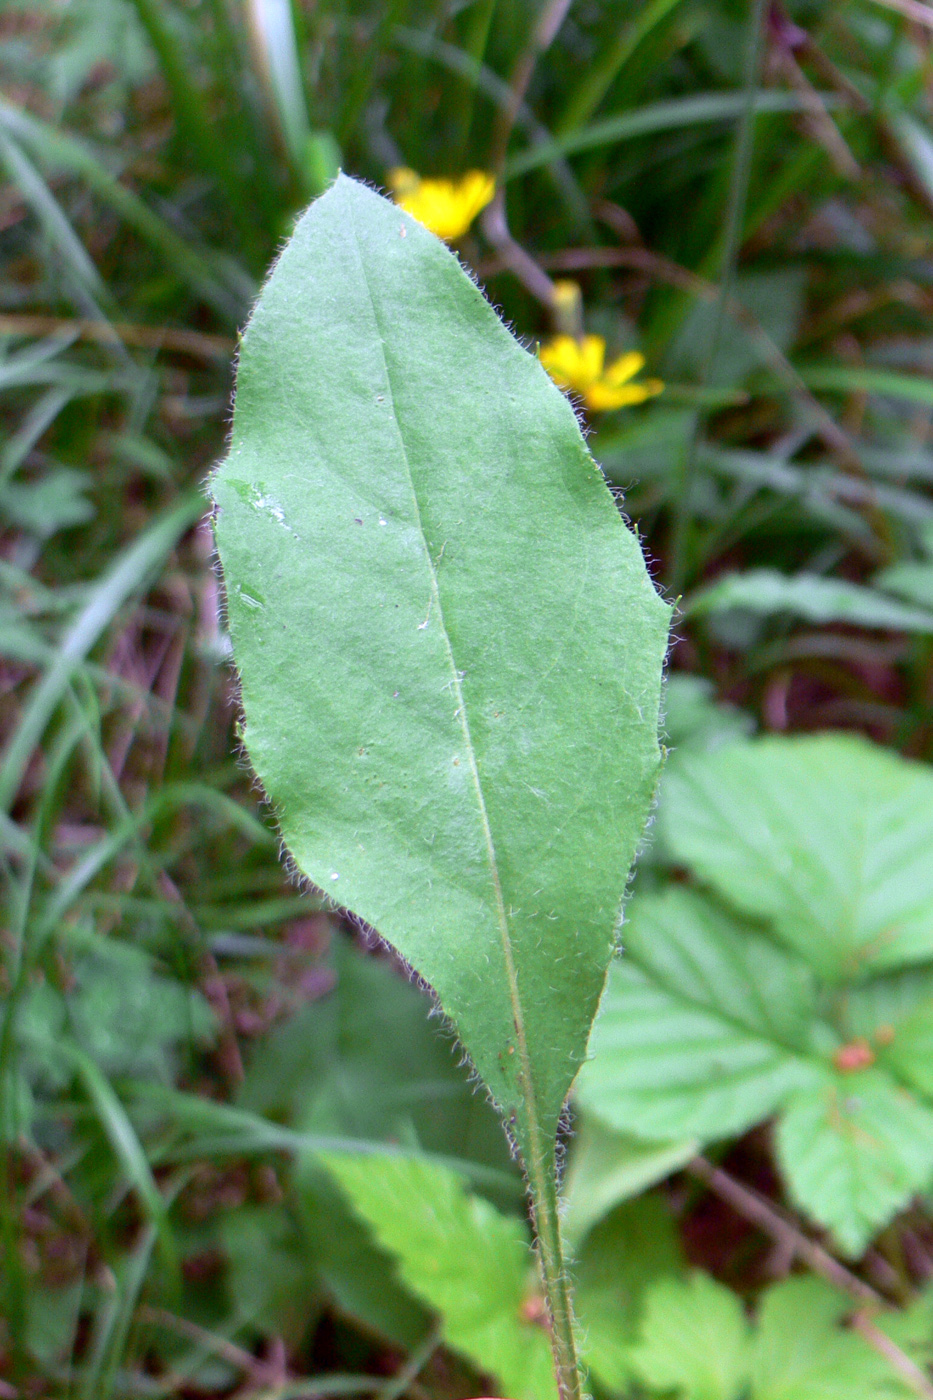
(854, 1151)
(826, 838)
(704, 1026)
(708, 1027)
(694, 1340)
(460, 1256)
(801, 1352)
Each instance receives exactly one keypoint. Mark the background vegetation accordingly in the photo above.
(744, 192)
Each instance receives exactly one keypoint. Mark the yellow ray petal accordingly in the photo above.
(574, 364)
(603, 396)
(446, 207)
(624, 368)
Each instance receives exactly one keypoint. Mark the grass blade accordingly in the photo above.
(124, 578)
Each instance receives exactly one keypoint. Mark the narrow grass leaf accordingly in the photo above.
(123, 1139)
(23, 173)
(812, 597)
(863, 379)
(63, 151)
(129, 573)
(273, 30)
(671, 115)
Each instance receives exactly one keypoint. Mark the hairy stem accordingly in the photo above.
(541, 1166)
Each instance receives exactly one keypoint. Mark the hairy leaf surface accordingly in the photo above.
(448, 643)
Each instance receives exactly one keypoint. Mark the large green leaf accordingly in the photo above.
(704, 1026)
(448, 643)
(458, 1255)
(827, 838)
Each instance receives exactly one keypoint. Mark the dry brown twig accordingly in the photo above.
(204, 347)
(795, 1244)
(495, 220)
(656, 265)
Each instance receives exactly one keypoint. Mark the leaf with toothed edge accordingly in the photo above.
(449, 647)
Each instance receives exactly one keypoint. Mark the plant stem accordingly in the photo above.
(541, 1166)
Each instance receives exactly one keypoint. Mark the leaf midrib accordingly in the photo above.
(502, 917)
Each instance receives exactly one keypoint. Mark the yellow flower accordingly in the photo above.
(580, 366)
(446, 207)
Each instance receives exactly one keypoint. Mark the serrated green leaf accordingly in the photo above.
(854, 1152)
(895, 1015)
(828, 838)
(800, 1352)
(621, 1258)
(448, 643)
(458, 1255)
(694, 1340)
(356, 1273)
(704, 1025)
